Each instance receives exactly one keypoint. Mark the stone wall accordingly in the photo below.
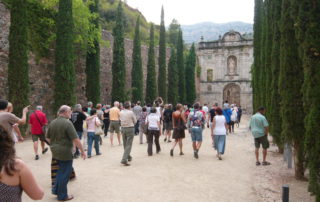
(41, 73)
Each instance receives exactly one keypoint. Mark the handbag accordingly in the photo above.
(98, 129)
(181, 126)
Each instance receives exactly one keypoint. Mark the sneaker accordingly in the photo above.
(125, 163)
(130, 158)
(196, 154)
(37, 157)
(98, 153)
(45, 150)
(171, 152)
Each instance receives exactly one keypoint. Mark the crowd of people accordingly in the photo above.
(74, 131)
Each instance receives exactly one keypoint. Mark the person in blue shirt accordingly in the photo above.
(227, 113)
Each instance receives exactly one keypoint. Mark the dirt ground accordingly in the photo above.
(161, 178)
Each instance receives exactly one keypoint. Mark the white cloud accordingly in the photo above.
(194, 11)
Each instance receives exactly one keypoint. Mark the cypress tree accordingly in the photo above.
(118, 63)
(309, 29)
(173, 78)
(137, 73)
(263, 43)
(290, 83)
(173, 32)
(181, 69)
(93, 61)
(256, 68)
(64, 58)
(274, 108)
(18, 78)
(162, 73)
(190, 76)
(151, 90)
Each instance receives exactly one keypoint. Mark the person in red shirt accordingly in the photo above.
(37, 120)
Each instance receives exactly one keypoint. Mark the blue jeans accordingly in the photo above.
(93, 138)
(196, 134)
(62, 179)
(220, 143)
(79, 133)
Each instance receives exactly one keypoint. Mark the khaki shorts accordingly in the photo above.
(35, 138)
(261, 141)
(114, 126)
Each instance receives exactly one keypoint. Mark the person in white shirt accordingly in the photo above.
(153, 122)
(219, 132)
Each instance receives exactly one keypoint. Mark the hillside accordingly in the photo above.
(211, 31)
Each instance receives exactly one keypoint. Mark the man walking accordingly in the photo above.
(137, 110)
(77, 118)
(196, 123)
(62, 136)
(259, 127)
(37, 120)
(115, 122)
(128, 120)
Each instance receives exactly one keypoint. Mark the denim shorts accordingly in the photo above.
(196, 134)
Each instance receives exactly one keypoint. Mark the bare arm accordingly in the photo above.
(23, 120)
(266, 130)
(213, 126)
(29, 183)
(78, 144)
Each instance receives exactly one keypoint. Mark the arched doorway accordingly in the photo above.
(231, 92)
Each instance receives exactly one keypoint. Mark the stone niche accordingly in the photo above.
(41, 73)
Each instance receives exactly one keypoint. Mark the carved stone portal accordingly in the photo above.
(231, 93)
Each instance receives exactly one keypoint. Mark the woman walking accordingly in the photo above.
(178, 123)
(15, 175)
(218, 132)
(153, 122)
(143, 127)
(92, 122)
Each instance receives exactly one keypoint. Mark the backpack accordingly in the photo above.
(195, 121)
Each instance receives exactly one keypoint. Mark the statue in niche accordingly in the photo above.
(232, 66)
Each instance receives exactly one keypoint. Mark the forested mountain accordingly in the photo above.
(211, 31)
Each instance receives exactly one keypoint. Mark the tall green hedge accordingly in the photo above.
(137, 73)
(64, 57)
(190, 76)
(162, 73)
(173, 78)
(181, 69)
(93, 61)
(151, 87)
(118, 64)
(18, 72)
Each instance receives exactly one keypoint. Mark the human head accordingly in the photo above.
(78, 107)
(138, 103)
(39, 107)
(169, 106)
(90, 104)
(216, 104)
(93, 112)
(218, 111)
(85, 109)
(127, 105)
(261, 110)
(179, 107)
(65, 111)
(153, 110)
(116, 104)
(7, 152)
(144, 109)
(3, 104)
(99, 106)
(10, 107)
(196, 105)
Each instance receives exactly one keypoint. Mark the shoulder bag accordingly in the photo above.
(98, 129)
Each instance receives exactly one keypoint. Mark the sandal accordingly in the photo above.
(258, 163)
(70, 197)
(266, 163)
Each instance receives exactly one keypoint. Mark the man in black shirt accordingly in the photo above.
(77, 118)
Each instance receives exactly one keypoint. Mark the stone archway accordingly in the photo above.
(231, 92)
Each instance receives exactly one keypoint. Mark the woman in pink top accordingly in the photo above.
(92, 122)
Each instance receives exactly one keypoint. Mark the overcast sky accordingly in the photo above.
(194, 11)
